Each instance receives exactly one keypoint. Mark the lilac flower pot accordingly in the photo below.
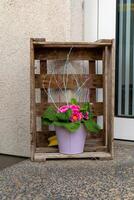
(71, 143)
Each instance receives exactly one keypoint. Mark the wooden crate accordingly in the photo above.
(96, 146)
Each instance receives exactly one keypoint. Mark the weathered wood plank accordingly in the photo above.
(56, 53)
(91, 81)
(105, 92)
(110, 95)
(99, 43)
(32, 102)
(43, 138)
(92, 91)
(89, 155)
(97, 108)
(55, 149)
(92, 140)
(92, 71)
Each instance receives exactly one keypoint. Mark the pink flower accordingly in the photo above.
(66, 107)
(75, 107)
(76, 116)
(63, 108)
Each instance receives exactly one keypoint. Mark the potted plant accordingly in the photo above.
(72, 123)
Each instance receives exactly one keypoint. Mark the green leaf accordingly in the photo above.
(49, 114)
(46, 121)
(70, 126)
(92, 126)
(85, 107)
(91, 115)
(64, 116)
(74, 101)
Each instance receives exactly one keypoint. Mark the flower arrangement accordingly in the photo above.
(73, 120)
(71, 116)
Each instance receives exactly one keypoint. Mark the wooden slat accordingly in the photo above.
(92, 140)
(110, 95)
(99, 43)
(32, 102)
(92, 81)
(55, 149)
(95, 139)
(98, 155)
(43, 138)
(105, 90)
(92, 91)
(61, 53)
(46, 149)
(97, 108)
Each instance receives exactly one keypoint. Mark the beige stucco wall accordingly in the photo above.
(57, 20)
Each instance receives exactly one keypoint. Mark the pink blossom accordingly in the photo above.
(63, 108)
(75, 107)
(76, 116)
(66, 107)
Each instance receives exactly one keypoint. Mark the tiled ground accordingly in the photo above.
(72, 179)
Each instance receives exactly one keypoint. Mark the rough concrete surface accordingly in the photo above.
(19, 21)
(72, 179)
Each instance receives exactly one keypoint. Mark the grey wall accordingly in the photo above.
(56, 20)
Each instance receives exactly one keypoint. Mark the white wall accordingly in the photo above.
(90, 20)
(124, 128)
(107, 19)
(20, 20)
(100, 21)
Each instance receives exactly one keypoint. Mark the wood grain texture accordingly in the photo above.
(108, 96)
(105, 92)
(92, 71)
(40, 157)
(92, 91)
(92, 140)
(55, 149)
(99, 43)
(43, 138)
(51, 81)
(32, 102)
(55, 53)
(111, 95)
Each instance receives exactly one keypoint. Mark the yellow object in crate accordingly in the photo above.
(52, 141)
